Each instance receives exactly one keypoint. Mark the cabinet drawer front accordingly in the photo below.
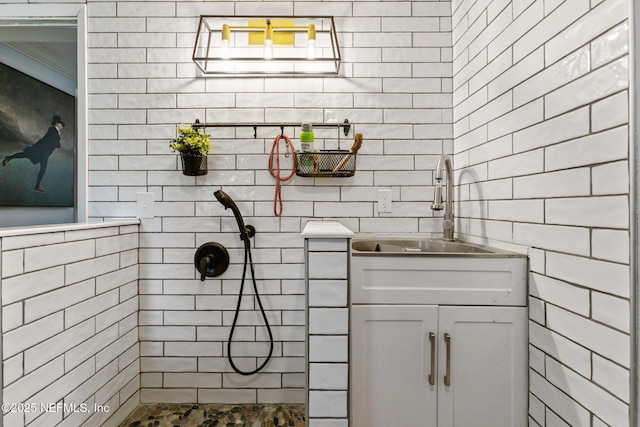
(441, 280)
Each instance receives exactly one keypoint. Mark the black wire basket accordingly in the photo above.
(326, 163)
(193, 164)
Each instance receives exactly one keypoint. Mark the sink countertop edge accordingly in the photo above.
(326, 230)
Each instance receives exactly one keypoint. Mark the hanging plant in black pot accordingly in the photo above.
(193, 145)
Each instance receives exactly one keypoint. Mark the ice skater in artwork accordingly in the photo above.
(41, 150)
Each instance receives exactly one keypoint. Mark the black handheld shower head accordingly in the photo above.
(246, 231)
(225, 199)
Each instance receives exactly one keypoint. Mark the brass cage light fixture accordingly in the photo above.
(261, 46)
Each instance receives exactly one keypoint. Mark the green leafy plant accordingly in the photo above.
(192, 140)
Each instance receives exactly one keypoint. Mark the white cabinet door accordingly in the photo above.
(485, 361)
(391, 362)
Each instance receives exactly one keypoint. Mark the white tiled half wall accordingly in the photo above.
(328, 331)
(541, 154)
(70, 326)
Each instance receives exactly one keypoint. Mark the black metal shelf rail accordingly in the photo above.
(345, 126)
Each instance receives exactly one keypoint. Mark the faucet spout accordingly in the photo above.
(444, 166)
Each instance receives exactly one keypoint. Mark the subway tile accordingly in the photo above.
(12, 316)
(168, 364)
(546, 28)
(12, 263)
(610, 112)
(600, 402)
(89, 348)
(328, 321)
(561, 348)
(592, 149)
(558, 401)
(591, 87)
(610, 178)
(200, 348)
(567, 296)
(527, 163)
(554, 76)
(599, 275)
(115, 314)
(517, 119)
(118, 348)
(331, 404)
(56, 345)
(610, 212)
(517, 210)
(328, 376)
(491, 110)
(516, 30)
(31, 284)
(277, 395)
(94, 267)
(26, 336)
(121, 243)
(610, 245)
(167, 333)
(572, 182)
(612, 377)
(562, 128)
(590, 25)
(117, 278)
(28, 385)
(264, 380)
(570, 239)
(327, 293)
(12, 368)
(594, 336)
(612, 44)
(328, 348)
(611, 311)
(57, 300)
(327, 265)
(89, 308)
(235, 396)
(118, 383)
(192, 380)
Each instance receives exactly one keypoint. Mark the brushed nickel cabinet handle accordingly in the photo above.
(447, 375)
(432, 374)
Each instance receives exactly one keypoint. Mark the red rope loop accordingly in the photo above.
(275, 172)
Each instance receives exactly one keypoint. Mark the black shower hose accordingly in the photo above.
(247, 257)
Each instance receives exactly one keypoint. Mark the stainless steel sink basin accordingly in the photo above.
(422, 246)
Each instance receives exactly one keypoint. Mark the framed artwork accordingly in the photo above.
(37, 142)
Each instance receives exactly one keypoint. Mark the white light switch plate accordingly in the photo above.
(145, 205)
(384, 200)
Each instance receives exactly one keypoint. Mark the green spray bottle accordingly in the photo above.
(306, 147)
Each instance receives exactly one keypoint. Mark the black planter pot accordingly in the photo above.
(193, 164)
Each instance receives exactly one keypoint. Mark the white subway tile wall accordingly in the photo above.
(535, 93)
(70, 326)
(541, 96)
(395, 87)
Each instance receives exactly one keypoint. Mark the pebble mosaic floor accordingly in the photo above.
(215, 415)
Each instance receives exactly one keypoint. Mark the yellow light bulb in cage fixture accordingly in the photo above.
(226, 39)
(311, 42)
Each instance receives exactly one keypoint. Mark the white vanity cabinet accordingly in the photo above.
(438, 366)
(441, 364)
